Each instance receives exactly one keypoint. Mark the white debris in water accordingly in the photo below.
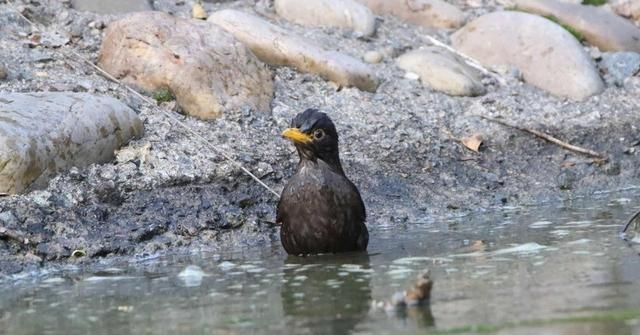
(540, 224)
(107, 278)
(343, 274)
(226, 265)
(235, 287)
(301, 278)
(526, 248)
(417, 259)
(250, 268)
(580, 241)
(191, 276)
(560, 232)
(539, 263)
(578, 224)
(400, 272)
(334, 283)
(581, 252)
(54, 280)
(621, 201)
(355, 268)
(298, 295)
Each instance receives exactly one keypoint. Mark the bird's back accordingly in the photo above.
(321, 211)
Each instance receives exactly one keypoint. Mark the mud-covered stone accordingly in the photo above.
(42, 134)
(276, 46)
(207, 70)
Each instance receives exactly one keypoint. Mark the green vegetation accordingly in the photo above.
(594, 2)
(568, 28)
(163, 95)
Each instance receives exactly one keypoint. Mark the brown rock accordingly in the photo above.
(627, 8)
(276, 46)
(426, 13)
(548, 56)
(44, 133)
(346, 14)
(443, 71)
(205, 68)
(599, 26)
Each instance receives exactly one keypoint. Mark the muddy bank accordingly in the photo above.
(166, 193)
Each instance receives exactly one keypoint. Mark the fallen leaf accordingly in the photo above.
(473, 142)
(198, 12)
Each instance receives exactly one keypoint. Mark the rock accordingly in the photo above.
(276, 46)
(111, 6)
(345, 14)
(207, 70)
(599, 26)
(618, 66)
(3, 72)
(626, 8)
(547, 55)
(42, 134)
(443, 71)
(426, 13)
(372, 57)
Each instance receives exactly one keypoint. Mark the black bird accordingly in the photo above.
(320, 209)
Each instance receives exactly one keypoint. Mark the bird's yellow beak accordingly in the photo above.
(296, 135)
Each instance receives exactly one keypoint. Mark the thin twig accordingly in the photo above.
(470, 61)
(14, 235)
(551, 139)
(204, 141)
(631, 220)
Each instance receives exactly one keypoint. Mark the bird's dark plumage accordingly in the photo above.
(320, 209)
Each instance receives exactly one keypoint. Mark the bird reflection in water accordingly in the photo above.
(326, 294)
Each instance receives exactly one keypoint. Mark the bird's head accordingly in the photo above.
(315, 137)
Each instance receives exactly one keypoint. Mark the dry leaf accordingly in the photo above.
(473, 142)
(198, 12)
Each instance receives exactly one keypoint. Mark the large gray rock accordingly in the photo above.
(346, 14)
(276, 46)
(207, 69)
(443, 71)
(111, 6)
(547, 55)
(42, 134)
(426, 13)
(600, 27)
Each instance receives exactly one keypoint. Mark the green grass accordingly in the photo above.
(594, 2)
(568, 28)
(163, 95)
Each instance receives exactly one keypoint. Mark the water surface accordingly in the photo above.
(556, 269)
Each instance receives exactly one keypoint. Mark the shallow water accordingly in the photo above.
(559, 269)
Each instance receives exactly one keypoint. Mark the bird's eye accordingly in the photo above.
(318, 134)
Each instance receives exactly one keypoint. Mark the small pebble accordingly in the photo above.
(372, 57)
